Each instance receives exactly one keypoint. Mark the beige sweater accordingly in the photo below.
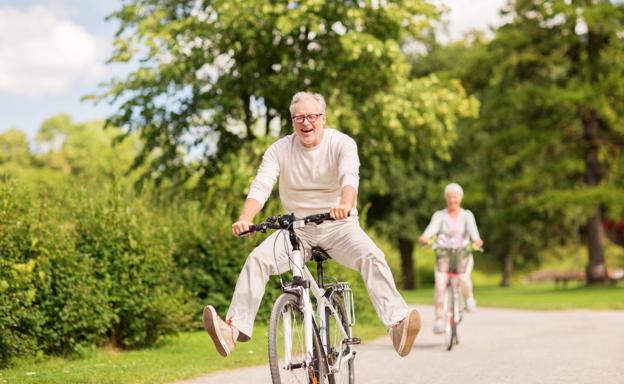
(310, 179)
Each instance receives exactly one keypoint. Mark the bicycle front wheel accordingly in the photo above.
(287, 351)
(346, 371)
(450, 325)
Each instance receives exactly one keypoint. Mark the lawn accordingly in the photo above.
(537, 296)
(185, 356)
(191, 354)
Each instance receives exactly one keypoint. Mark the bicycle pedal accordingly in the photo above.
(352, 341)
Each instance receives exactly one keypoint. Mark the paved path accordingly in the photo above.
(497, 346)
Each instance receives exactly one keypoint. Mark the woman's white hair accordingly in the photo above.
(454, 187)
(300, 96)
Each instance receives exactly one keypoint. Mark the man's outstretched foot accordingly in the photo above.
(223, 334)
(404, 333)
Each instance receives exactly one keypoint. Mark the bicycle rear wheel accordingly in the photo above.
(346, 374)
(287, 350)
(450, 325)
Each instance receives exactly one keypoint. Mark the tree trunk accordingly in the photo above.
(596, 270)
(248, 118)
(507, 270)
(406, 248)
(596, 265)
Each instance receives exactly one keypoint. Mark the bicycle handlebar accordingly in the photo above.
(467, 248)
(286, 221)
(470, 247)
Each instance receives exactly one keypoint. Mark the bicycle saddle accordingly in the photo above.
(319, 254)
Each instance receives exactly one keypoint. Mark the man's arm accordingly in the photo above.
(349, 178)
(259, 191)
(250, 210)
(348, 194)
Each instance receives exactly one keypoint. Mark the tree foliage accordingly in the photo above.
(545, 155)
(214, 74)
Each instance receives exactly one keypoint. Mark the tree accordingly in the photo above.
(14, 148)
(565, 58)
(84, 150)
(547, 148)
(216, 74)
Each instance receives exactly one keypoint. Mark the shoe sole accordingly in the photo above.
(409, 333)
(211, 324)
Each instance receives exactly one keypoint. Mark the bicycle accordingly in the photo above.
(452, 261)
(304, 348)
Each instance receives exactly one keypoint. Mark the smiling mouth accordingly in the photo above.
(307, 130)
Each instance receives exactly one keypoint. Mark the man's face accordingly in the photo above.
(308, 121)
(453, 200)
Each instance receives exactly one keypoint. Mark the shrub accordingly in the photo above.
(131, 256)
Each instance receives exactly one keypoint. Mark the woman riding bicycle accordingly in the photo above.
(454, 227)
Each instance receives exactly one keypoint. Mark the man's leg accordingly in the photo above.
(250, 287)
(349, 245)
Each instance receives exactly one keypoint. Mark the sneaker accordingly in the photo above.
(438, 326)
(471, 304)
(222, 333)
(404, 333)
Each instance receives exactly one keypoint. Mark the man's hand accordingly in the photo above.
(340, 212)
(241, 226)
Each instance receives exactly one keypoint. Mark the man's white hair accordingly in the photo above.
(454, 187)
(300, 96)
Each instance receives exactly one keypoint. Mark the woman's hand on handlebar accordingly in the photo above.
(241, 226)
(477, 245)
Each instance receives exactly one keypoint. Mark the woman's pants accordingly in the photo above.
(441, 280)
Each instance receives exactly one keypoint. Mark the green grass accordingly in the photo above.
(185, 356)
(537, 296)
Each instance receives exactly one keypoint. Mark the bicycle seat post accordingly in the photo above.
(319, 273)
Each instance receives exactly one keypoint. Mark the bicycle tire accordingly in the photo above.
(449, 318)
(334, 340)
(456, 316)
(287, 306)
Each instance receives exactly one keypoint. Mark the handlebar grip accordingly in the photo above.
(252, 228)
(325, 216)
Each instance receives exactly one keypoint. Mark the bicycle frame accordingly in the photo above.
(323, 303)
(453, 301)
(303, 283)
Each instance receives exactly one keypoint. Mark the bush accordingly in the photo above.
(83, 270)
(131, 256)
(20, 321)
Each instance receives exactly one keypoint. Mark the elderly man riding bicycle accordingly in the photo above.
(318, 170)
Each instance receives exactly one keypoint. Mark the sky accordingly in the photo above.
(53, 52)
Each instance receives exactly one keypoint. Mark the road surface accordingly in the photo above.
(497, 346)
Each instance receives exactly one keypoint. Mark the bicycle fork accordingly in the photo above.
(298, 279)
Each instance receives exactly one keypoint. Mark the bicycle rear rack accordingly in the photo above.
(347, 293)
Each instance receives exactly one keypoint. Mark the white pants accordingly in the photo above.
(441, 279)
(345, 242)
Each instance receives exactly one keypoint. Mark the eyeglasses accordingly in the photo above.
(299, 119)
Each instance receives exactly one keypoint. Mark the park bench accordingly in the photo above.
(560, 278)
